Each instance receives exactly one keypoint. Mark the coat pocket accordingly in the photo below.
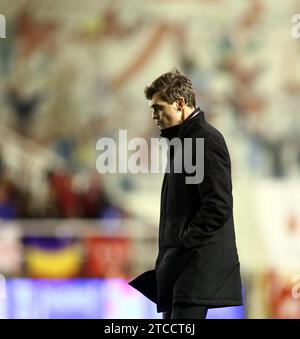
(183, 227)
(174, 229)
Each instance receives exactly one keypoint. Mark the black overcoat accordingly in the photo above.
(197, 262)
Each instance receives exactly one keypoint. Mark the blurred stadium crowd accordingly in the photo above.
(62, 199)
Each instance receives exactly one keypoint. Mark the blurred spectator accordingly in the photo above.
(23, 107)
(62, 195)
(7, 199)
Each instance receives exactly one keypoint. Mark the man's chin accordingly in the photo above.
(161, 125)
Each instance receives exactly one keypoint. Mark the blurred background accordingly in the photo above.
(72, 72)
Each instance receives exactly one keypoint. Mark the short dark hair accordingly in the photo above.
(171, 86)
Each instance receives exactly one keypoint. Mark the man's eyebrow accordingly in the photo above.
(156, 106)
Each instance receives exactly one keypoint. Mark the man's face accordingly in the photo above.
(165, 114)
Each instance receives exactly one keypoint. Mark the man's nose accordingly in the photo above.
(154, 116)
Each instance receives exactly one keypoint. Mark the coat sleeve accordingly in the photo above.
(213, 195)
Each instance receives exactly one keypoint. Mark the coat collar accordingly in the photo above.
(181, 129)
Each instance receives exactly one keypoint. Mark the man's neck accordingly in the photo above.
(187, 112)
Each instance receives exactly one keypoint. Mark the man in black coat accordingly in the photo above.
(197, 266)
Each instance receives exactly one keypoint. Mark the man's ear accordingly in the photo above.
(180, 103)
(180, 108)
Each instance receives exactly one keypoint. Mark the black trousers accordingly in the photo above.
(186, 311)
